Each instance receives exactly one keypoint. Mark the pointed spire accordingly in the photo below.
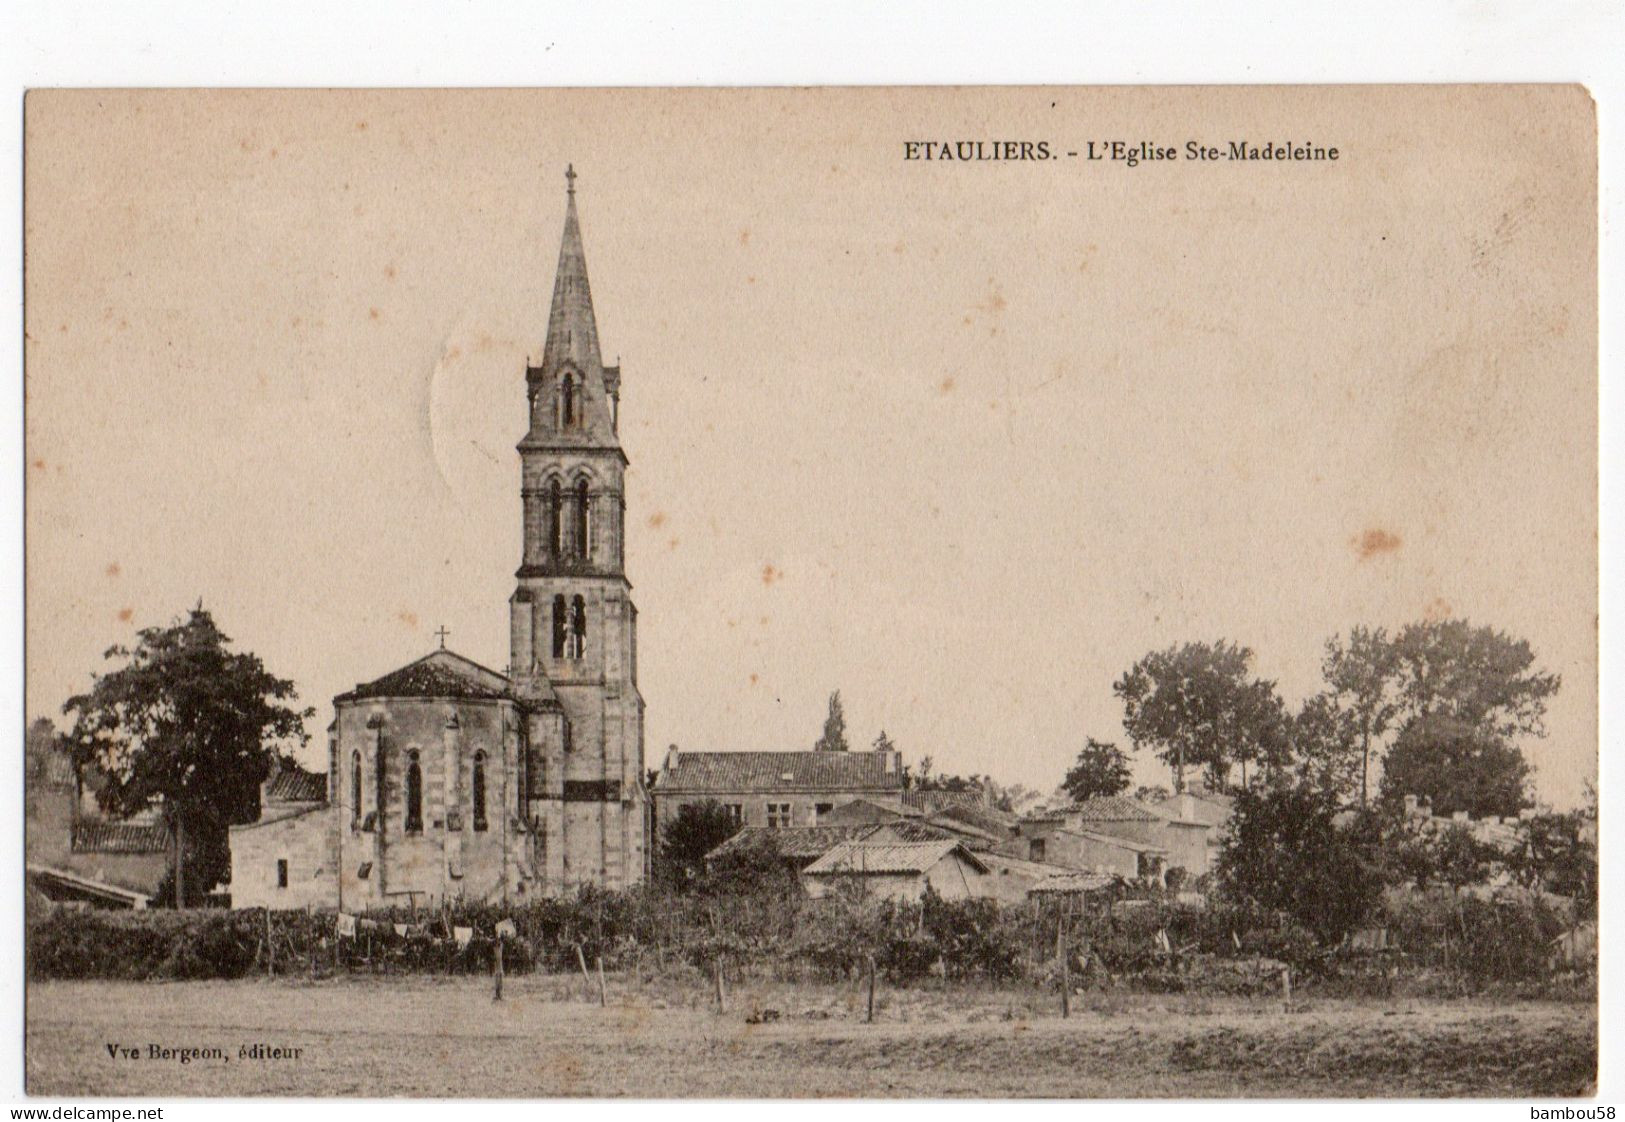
(572, 348)
(572, 330)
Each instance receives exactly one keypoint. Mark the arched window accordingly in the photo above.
(578, 628)
(379, 802)
(355, 787)
(567, 403)
(559, 626)
(414, 794)
(582, 520)
(479, 791)
(555, 519)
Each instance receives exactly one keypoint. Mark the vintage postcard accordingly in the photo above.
(891, 592)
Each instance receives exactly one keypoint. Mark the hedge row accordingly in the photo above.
(1153, 944)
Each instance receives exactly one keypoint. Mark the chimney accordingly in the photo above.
(672, 756)
(1187, 807)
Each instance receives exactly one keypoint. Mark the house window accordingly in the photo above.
(583, 510)
(479, 791)
(282, 874)
(821, 809)
(736, 813)
(778, 815)
(414, 795)
(560, 626)
(1035, 849)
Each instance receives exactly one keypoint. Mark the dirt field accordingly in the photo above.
(426, 1036)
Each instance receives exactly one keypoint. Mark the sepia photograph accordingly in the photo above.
(891, 592)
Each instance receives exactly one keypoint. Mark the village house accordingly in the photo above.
(1206, 808)
(776, 789)
(1048, 839)
(890, 870)
(74, 852)
(279, 860)
(1179, 842)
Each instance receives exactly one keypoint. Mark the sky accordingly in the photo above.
(962, 441)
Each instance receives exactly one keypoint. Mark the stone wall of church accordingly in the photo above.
(452, 853)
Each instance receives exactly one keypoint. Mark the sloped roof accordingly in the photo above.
(910, 830)
(794, 841)
(296, 785)
(1132, 844)
(441, 673)
(860, 811)
(930, 800)
(1205, 809)
(1114, 808)
(875, 856)
(97, 836)
(1074, 882)
(989, 820)
(722, 772)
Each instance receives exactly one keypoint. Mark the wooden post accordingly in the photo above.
(1286, 986)
(603, 998)
(496, 973)
(581, 958)
(1066, 977)
(310, 938)
(871, 1015)
(270, 947)
(722, 997)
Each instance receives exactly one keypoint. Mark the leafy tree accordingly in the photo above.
(834, 738)
(754, 867)
(1457, 766)
(883, 743)
(696, 830)
(1154, 793)
(43, 754)
(1329, 746)
(189, 725)
(1101, 769)
(1198, 705)
(1285, 852)
(1360, 675)
(1558, 853)
(1477, 676)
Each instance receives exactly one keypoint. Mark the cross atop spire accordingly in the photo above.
(570, 179)
(441, 634)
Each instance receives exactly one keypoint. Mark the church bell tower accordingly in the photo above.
(573, 628)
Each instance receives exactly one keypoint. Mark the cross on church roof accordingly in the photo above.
(570, 178)
(442, 633)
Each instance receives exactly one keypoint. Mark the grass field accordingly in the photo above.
(429, 1036)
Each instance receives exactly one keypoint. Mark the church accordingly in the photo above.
(449, 781)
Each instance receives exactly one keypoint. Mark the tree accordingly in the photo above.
(1198, 705)
(693, 832)
(1558, 853)
(834, 738)
(189, 725)
(1286, 853)
(1456, 766)
(1477, 676)
(883, 743)
(1360, 674)
(1101, 769)
(1329, 745)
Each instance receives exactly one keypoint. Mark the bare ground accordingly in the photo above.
(427, 1036)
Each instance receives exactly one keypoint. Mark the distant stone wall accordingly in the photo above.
(295, 847)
